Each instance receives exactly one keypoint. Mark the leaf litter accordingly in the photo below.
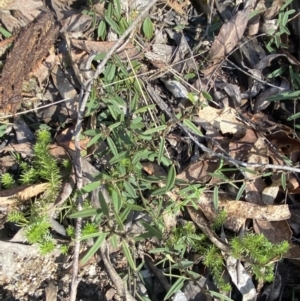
(183, 124)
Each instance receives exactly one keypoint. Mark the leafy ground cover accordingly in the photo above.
(152, 153)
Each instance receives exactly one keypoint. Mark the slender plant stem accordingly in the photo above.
(85, 92)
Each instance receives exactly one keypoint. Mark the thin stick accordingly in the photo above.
(78, 164)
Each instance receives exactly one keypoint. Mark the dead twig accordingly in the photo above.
(85, 93)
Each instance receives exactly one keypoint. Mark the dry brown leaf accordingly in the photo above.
(64, 139)
(223, 120)
(42, 72)
(273, 10)
(104, 47)
(229, 36)
(154, 169)
(238, 211)
(51, 292)
(21, 193)
(283, 142)
(28, 8)
(258, 155)
(239, 150)
(198, 171)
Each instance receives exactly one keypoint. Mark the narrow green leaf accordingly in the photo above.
(144, 109)
(155, 130)
(128, 256)
(171, 178)
(94, 248)
(110, 72)
(159, 191)
(148, 28)
(241, 191)
(154, 231)
(113, 24)
(218, 176)
(175, 288)
(183, 264)
(116, 200)
(115, 125)
(207, 95)
(103, 204)
(101, 32)
(3, 128)
(112, 146)
(189, 124)
(125, 213)
(220, 296)
(117, 8)
(85, 213)
(129, 189)
(4, 32)
(284, 95)
(114, 239)
(95, 139)
(158, 250)
(161, 149)
(134, 207)
(216, 197)
(92, 235)
(294, 116)
(283, 181)
(91, 186)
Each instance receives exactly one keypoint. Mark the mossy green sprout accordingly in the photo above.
(7, 180)
(261, 251)
(44, 168)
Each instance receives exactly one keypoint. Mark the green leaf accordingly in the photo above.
(103, 204)
(284, 95)
(101, 32)
(128, 256)
(3, 128)
(175, 288)
(117, 8)
(91, 186)
(95, 139)
(207, 95)
(294, 116)
(113, 24)
(148, 28)
(189, 124)
(159, 191)
(241, 190)
(116, 200)
(170, 178)
(161, 149)
(110, 72)
(94, 248)
(100, 56)
(154, 232)
(216, 197)
(112, 146)
(85, 213)
(155, 130)
(92, 235)
(183, 264)
(4, 32)
(220, 296)
(144, 109)
(283, 181)
(129, 189)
